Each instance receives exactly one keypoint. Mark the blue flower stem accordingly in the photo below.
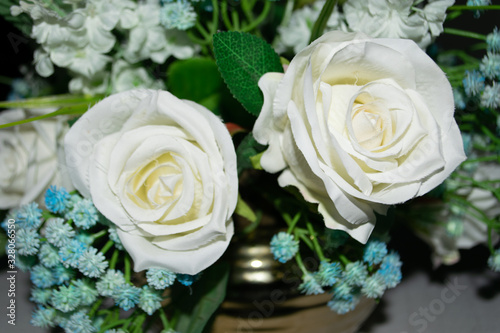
(260, 18)
(114, 324)
(114, 258)
(314, 239)
(236, 20)
(464, 7)
(99, 235)
(164, 319)
(344, 259)
(127, 268)
(47, 215)
(95, 307)
(107, 246)
(291, 222)
(137, 323)
(302, 234)
(225, 17)
(300, 263)
(464, 33)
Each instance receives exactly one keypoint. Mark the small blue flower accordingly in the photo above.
(66, 298)
(88, 294)
(27, 241)
(58, 232)
(56, 200)
(473, 83)
(390, 270)
(109, 282)
(126, 296)
(43, 317)
(71, 252)
(40, 295)
(374, 252)
(494, 261)
(342, 289)
(83, 214)
(310, 285)
(149, 300)
(343, 305)
(159, 278)
(42, 277)
(490, 65)
(85, 238)
(113, 235)
(477, 13)
(284, 246)
(30, 215)
(48, 255)
(374, 286)
(491, 96)
(459, 99)
(62, 274)
(92, 263)
(187, 279)
(355, 273)
(177, 15)
(328, 273)
(493, 41)
(79, 322)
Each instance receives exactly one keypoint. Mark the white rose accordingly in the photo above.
(164, 171)
(357, 124)
(29, 158)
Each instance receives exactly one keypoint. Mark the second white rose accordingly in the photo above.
(164, 171)
(358, 124)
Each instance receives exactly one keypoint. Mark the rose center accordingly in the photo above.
(368, 125)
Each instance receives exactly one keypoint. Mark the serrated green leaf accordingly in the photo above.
(246, 149)
(242, 59)
(196, 79)
(196, 305)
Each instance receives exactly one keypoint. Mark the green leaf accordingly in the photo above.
(243, 209)
(245, 151)
(196, 305)
(196, 79)
(242, 59)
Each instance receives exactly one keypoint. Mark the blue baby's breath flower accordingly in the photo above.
(83, 214)
(40, 295)
(62, 274)
(48, 255)
(65, 298)
(342, 289)
(284, 246)
(159, 278)
(374, 252)
(177, 15)
(42, 277)
(92, 263)
(88, 294)
(473, 83)
(459, 99)
(71, 253)
(491, 96)
(27, 241)
(328, 273)
(355, 273)
(79, 322)
(56, 200)
(58, 232)
(109, 282)
(113, 235)
(187, 279)
(149, 300)
(477, 13)
(43, 317)
(310, 285)
(25, 263)
(126, 296)
(490, 65)
(390, 270)
(11, 215)
(494, 261)
(374, 286)
(29, 216)
(343, 305)
(493, 40)
(85, 238)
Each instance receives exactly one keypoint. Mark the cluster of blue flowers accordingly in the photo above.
(482, 83)
(70, 275)
(377, 271)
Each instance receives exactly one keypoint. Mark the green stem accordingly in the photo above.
(107, 246)
(314, 239)
(99, 234)
(225, 17)
(114, 258)
(236, 20)
(463, 7)
(247, 10)
(164, 319)
(260, 18)
(300, 263)
(70, 110)
(127, 268)
(464, 33)
(94, 308)
(344, 259)
(113, 324)
(302, 234)
(291, 223)
(323, 17)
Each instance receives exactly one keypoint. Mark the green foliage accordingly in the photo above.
(22, 22)
(196, 79)
(242, 59)
(247, 148)
(196, 305)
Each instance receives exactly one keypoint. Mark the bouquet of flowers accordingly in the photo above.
(150, 141)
